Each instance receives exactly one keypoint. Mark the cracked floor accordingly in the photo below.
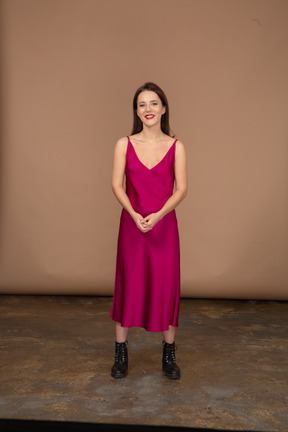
(57, 351)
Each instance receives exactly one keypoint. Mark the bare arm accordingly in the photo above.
(180, 187)
(118, 173)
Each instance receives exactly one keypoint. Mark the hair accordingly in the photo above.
(137, 123)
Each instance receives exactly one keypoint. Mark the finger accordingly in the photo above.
(143, 229)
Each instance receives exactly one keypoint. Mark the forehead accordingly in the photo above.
(147, 95)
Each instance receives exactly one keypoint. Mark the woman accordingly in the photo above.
(147, 280)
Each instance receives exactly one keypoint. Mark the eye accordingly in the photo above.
(141, 105)
(155, 103)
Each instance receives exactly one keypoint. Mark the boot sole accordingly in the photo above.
(119, 376)
(172, 376)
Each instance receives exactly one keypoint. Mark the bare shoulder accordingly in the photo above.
(180, 146)
(121, 145)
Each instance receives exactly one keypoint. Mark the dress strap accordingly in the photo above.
(174, 145)
(128, 143)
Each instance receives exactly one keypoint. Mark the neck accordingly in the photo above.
(152, 134)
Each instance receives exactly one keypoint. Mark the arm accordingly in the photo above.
(180, 188)
(118, 173)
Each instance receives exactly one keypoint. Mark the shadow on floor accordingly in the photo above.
(48, 426)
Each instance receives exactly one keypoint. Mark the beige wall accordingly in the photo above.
(69, 72)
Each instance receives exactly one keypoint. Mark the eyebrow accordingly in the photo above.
(153, 100)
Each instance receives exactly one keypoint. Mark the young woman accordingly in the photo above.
(147, 280)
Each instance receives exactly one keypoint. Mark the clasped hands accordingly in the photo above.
(147, 223)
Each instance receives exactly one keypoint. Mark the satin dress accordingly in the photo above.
(147, 277)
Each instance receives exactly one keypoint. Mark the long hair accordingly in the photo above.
(137, 123)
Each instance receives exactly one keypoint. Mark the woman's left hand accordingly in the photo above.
(151, 220)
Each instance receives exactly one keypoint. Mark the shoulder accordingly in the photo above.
(122, 142)
(180, 146)
(121, 145)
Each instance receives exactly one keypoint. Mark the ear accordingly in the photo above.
(164, 110)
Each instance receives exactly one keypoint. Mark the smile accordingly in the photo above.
(149, 116)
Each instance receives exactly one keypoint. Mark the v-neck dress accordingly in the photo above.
(147, 277)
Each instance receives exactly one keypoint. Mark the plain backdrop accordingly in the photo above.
(69, 70)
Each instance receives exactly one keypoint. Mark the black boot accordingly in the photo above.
(169, 366)
(120, 367)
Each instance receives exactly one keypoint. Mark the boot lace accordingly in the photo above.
(120, 353)
(170, 353)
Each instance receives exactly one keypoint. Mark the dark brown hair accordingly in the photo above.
(137, 123)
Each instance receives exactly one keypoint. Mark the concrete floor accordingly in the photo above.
(57, 351)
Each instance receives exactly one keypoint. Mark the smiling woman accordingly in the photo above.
(160, 98)
(147, 280)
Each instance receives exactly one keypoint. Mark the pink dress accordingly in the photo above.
(147, 279)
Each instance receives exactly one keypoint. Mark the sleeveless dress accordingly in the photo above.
(147, 277)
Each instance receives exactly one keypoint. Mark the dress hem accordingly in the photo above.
(145, 327)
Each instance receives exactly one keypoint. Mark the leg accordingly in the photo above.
(121, 333)
(169, 335)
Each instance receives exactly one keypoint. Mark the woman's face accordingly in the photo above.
(149, 108)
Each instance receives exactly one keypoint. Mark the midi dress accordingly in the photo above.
(147, 276)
